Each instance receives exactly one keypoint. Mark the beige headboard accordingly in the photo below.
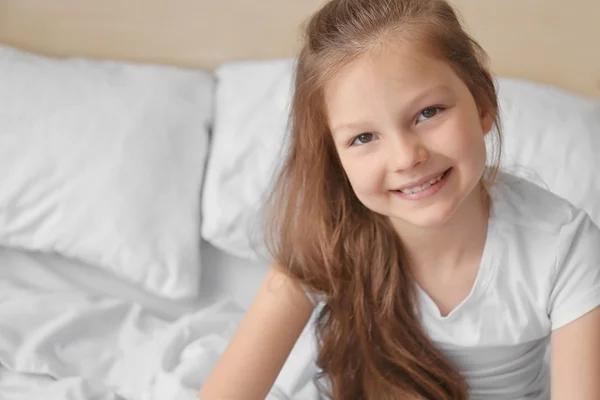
(551, 41)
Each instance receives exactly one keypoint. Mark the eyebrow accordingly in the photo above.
(360, 125)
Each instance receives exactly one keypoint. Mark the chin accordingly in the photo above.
(430, 221)
(427, 218)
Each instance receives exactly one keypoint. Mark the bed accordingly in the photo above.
(127, 257)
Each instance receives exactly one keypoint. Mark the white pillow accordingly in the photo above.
(103, 162)
(552, 137)
(251, 116)
(549, 134)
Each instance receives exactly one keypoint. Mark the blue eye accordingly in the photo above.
(429, 113)
(363, 138)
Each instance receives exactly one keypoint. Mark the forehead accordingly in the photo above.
(390, 73)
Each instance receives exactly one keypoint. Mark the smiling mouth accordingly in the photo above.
(424, 186)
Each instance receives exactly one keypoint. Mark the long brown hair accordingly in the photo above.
(372, 345)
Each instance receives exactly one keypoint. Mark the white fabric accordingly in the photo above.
(62, 340)
(226, 274)
(251, 115)
(103, 162)
(540, 271)
(65, 338)
(223, 276)
(550, 136)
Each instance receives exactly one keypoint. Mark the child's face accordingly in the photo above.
(401, 120)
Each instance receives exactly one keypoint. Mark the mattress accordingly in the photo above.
(70, 331)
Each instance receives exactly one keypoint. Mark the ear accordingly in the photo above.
(486, 122)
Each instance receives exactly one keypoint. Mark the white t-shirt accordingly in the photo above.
(540, 270)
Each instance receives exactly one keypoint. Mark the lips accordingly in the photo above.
(424, 190)
(422, 183)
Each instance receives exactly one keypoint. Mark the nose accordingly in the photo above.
(406, 151)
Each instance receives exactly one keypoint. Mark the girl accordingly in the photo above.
(437, 278)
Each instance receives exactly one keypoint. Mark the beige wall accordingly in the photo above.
(550, 41)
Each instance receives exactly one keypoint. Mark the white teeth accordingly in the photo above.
(421, 188)
(425, 186)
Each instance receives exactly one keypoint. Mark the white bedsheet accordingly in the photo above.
(69, 333)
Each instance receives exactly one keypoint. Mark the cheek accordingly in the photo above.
(463, 140)
(365, 176)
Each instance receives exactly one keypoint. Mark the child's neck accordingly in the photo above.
(456, 243)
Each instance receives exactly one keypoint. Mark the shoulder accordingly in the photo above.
(522, 203)
(536, 232)
(544, 261)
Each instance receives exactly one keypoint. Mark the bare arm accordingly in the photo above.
(257, 352)
(576, 359)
